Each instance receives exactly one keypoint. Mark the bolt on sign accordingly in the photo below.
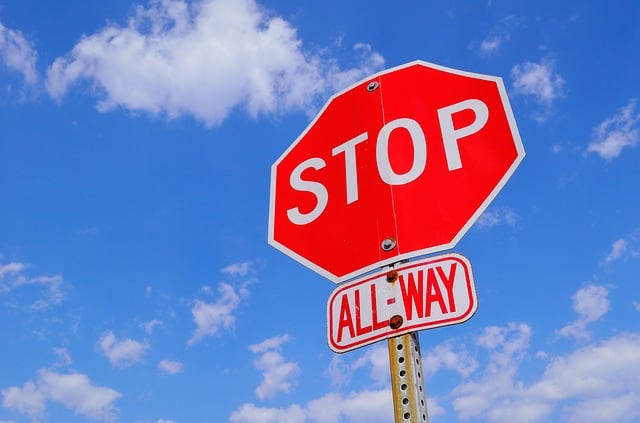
(423, 294)
(397, 166)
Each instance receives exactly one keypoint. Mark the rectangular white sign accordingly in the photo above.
(433, 292)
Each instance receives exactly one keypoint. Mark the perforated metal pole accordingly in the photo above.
(407, 382)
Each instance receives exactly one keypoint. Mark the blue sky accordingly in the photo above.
(136, 283)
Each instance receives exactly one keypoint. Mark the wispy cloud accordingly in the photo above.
(211, 317)
(618, 248)
(278, 374)
(448, 356)
(498, 35)
(203, 59)
(170, 367)
(74, 391)
(481, 398)
(540, 81)
(150, 325)
(371, 406)
(238, 269)
(376, 359)
(342, 370)
(591, 303)
(64, 358)
(497, 216)
(41, 291)
(18, 54)
(616, 133)
(121, 353)
(573, 383)
(12, 268)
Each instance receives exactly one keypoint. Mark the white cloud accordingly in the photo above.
(238, 269)
(356, 407)
(49, 290)
(11, 269)
(249, 413)
(376, 358)
(170, 367)
(64, 358)
(17, 54)
(211, 317)
(76, 392)
(338, 371)
(604, 373)
(121, 353)
(591, 303)
(499, 34)
(479, 398)
(445, 356)
(636, 305)
(269, 344)
(620, 408)
(618, 248)
(540, 81)
(26, 400)
(491, 44)
(148, 326)
(278, 374)
(366, 406)
(203, 59)
(52, 293)
(73, 390)
(371, 406)
(617, 132)
(497, 216)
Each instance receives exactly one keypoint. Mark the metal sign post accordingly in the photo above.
(407, 382)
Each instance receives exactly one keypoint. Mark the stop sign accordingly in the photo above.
(398, 165)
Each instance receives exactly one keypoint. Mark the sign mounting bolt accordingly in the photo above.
(396, 321)
(388, 244)
(392, 276)
(373, 85)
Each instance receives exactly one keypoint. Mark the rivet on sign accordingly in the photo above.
(396, 321)
(372, 86)
(392, 276)
(388, 244)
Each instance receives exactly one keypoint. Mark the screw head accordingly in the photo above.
(373, 85)
(396, 321)
(388, 244)
(392, 276)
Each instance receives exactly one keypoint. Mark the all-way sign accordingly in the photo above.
(433, 292)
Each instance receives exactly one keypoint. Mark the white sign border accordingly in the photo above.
(471, 310)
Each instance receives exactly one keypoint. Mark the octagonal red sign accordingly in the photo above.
(398, 165)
